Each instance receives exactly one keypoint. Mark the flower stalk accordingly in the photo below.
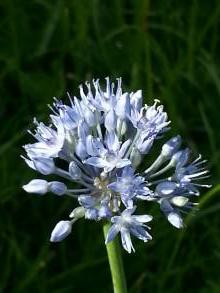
(115, 263)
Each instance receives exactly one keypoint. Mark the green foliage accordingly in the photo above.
(170, 49)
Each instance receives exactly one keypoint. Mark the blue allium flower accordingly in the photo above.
(98, 142)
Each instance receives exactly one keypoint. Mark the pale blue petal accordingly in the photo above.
(142, 218)
(122, 163)
(116, 186)
(97, 162)
(112, 232)
(87, 201)
(110, 120)
(124, 148)
(112, 141)
(140, 233)
(126, 240)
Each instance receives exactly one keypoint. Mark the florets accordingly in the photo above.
(102, 137)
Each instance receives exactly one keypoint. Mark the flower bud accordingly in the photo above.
(180, 158)
(135, 157)
(166, 188)
(175, 220)
(61, 231)
(171, 146)
(56, 187)
(37, 186)
(74, 171)
(77, 213)
(179, 201)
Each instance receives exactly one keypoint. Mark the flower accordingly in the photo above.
(99, 141)
(130, 186)
(128, 224)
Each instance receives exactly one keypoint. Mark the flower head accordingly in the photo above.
(100, 139)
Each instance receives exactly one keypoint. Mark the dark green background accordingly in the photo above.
(170, 49)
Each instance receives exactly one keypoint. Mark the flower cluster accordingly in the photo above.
(97, 142)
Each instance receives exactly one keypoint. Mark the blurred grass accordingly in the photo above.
(170, 49)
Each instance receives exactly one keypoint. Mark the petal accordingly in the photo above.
(136, 100)
(123, 106)
(29, 163)
(91, 214)
(94, 146)
(83, 130)
(116, 186)
(124, 148)
(122, 163)
(110, 120)
(112, 232)
(112, 141)
(128, 172)
(128, 212)
(142, 218)
(81, 149)
(126, 240)
(90, 117)
(90, 146)
(144, 146)
(140, 233)
(45, 166)
(87, 201)
(97, 162)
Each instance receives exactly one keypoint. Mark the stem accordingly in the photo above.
(115, 263)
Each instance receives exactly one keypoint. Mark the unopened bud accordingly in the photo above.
(74, 171)
(77, 213)
(56, 187)
(171, 146)
(37, 186)
(61, 231)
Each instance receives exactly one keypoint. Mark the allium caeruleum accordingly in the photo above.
(100, 139)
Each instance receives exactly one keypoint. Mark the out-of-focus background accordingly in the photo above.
(170, 49)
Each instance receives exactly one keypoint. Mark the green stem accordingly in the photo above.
(116, 263)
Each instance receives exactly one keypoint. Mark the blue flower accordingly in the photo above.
(128, 224)
(50, 141)
(95, 144)
(112, 156)
(130, 186)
